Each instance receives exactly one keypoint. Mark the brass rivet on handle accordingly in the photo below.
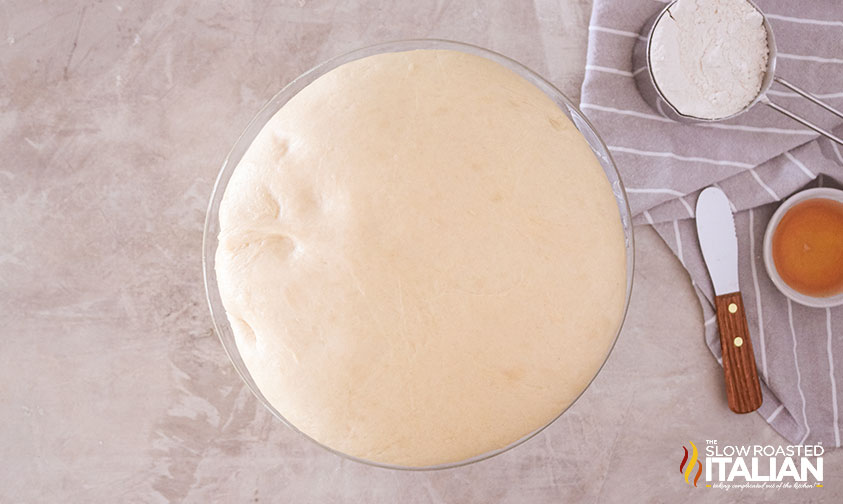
(733, 308)
(738, 341)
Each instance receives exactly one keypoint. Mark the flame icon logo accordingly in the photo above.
(688, 468)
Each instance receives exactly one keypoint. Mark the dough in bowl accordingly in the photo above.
(421, 258)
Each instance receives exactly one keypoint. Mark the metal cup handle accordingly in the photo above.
(801, 120)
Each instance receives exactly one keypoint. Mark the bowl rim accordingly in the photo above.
(210, 240)
(769, 263)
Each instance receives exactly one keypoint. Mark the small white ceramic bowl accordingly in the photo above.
(815, 302)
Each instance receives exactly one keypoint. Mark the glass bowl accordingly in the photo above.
(209, 239)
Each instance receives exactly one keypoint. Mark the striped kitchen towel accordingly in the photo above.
(757, 159)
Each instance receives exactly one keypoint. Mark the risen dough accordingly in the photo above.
(421, 258)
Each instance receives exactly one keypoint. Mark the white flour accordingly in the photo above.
(709, 56)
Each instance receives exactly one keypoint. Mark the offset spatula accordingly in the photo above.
(719, 244)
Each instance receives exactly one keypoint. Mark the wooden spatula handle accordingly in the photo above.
(743, 389)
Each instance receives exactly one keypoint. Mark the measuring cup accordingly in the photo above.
(649, 88)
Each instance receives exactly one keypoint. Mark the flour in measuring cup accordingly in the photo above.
(709, 57)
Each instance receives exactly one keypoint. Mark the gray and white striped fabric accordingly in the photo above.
(758, 160)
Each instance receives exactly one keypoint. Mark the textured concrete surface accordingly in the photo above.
(114, 119)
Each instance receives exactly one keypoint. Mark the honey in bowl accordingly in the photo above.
(807, 247)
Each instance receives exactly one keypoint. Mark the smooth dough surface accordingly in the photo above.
(421, 258)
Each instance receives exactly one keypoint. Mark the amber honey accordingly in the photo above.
(807, 247)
